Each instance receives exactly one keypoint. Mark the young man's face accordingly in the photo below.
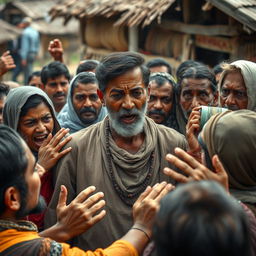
(160, 101)
(57, 90)
(86, 102)
(233, 93)
(126, 99)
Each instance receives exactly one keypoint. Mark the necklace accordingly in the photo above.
(126, 197)
(22, 225)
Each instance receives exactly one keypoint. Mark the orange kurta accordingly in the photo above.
(12, 237)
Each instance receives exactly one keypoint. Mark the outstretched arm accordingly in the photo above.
(77, 217)
(193, 170)
(6, 63)
(144, 212)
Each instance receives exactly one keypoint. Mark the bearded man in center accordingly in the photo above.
(121, 155)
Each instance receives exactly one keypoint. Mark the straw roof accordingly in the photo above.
(132, 12)
(242, 10)
(38, 11)
(8, 32)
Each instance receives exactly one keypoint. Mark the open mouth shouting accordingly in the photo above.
(128, 119)
(39, 139)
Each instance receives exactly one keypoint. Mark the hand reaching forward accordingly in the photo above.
(82, 213)
(50, 151)
(6, 63)
(147, 205)
(77, 217)
(55, 49)
(194, 170)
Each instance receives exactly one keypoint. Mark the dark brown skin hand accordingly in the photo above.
(147, 205)
(50, 151)
(55, 49)
(195, 171)
(192, 130)
(6, 63)
(77, 217)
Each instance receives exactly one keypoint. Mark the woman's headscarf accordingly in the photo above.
(232, 136)
(17, 98)
(68, 117)
(248, 71)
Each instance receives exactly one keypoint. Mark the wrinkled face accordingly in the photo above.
(36, 125)
(2, 101)
(195, 93)
(126, 99)
(86, 102)
(160, 101)
(159, 69)
(233, 94)
(57, 90)
(36, 81)
(33, 182)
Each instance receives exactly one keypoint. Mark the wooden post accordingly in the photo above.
(133, 39)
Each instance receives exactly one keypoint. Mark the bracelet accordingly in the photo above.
(143, 231)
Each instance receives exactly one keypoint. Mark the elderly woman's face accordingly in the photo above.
(233, 94)
(36, 125)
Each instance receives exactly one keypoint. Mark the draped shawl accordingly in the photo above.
(248, 71)
(68, 117)
(17, 98)
(232, 136)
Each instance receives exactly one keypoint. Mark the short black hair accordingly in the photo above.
(198, 72)
(184, 66)
(87, 65)
(200, 218)
(35, 73)
(4, 90)
(118, 63)
(84, 78)
(159, 62)
(53, 70)
(13, 163)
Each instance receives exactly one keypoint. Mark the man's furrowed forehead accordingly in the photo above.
(130, 79)
(195, 84)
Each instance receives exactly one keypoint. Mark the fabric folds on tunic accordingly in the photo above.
(87, 164)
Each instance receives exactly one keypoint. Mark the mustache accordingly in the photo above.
(87, 109)
(126, 112)
(58, 94)
(156, 112)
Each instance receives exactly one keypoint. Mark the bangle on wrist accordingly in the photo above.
(143, 231)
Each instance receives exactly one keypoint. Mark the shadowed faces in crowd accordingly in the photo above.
(233, 93)
(55, 78)
(161, 97)
(197, 88)
(85, 99)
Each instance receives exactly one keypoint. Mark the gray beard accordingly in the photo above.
(127, 130)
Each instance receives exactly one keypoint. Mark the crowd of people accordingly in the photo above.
(119, 159)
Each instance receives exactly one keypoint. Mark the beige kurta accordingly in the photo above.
(87, 165)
